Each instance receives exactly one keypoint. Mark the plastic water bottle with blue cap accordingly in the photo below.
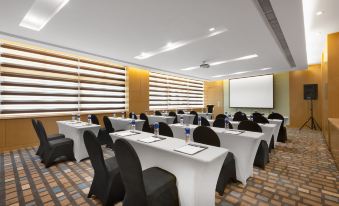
(156, 129)
(89, 119)
(133, 117)
(133, 124)
(199, 120)
(187, 135)
(227, 123)
(73, 117)
(78, 117)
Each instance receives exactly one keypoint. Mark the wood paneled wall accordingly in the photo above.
(300, 108)
(214, 94)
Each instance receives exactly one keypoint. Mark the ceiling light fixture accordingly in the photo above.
(319, 13)
(174, 45)
(264, 69)
(236, 73)
(41, 13)
(212, 29)
(224, 62)
(221, 75)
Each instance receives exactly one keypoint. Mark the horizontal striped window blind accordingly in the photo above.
(35, 81)
(170, 92)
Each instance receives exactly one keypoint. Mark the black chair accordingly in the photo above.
(256, 114)
(262, 157)
(107, 183)
(103, 135)
(131, 114)
(222, 116)
(181, 112)
(165, 130)
(239, 116)
(151, 187)
(221, 123)
(158, 113)
(54, 149)
(206, 135)
(260, 119)
(282, 136)
(204, 121)
(173, 114)
(49, 137)
(146, 127)
(194, 113)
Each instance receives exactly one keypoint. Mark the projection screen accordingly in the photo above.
(252, 92)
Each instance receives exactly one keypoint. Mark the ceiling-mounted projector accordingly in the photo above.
(204, 65)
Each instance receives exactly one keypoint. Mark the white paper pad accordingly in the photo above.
(150, 139)
(233, 132)
(125, 133)
(189, 149)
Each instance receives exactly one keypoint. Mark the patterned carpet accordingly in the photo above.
(300, 172)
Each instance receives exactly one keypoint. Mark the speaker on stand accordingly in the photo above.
(311, 93)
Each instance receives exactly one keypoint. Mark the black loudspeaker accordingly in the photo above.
(310, 91)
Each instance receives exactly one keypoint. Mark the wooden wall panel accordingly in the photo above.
(333, 75)
(2, 134)
(300, 108)
(138, 90)
(214, 94)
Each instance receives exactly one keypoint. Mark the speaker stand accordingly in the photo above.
(314, 123)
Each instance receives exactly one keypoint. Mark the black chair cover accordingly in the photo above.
(165, 130)
(239, 116)
(222, 116)
(173, 114)
(157, 113)
(221, 123)
(204, 121)
(146, 127)
(282, 136)
(181, 112)
(131, 114)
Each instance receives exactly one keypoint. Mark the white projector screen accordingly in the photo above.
(252, 92)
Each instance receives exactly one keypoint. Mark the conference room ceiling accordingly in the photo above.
(124, 29)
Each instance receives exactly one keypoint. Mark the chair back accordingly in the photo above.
(36, 128)
(95, 153)
(260, 119)
(131, 115)
(131, 172)
(173, 114)
(204, 121)
(221, 123)
(43, 135)
(249, 126)
(157, 113)
(222, 116)
(210, 108)
(165, 130)
(239, 116)
(108, 125)
(181, 112)
(94, 119)
(206, 135)
(256, 114)
(276, 116)
(194, 113)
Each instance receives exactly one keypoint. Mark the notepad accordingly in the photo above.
(150, 139)
(236, 132)
(191, 149)
(125, 133)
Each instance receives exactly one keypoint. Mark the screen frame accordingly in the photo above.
(229, 92)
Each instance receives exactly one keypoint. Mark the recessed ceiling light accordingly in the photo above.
(236, 73)
(174, 45)
(224, 62)
(41, 13)
(221, 75)
(264, 69)
(319, 13)
(212, 29)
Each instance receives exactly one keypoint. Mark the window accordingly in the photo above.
(170, 92)
(37, 82)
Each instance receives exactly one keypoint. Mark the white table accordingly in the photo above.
(119, 123)
(206, 115)
(196, 175)
(154, 118)
(188, 118)
(248, 116)
(267, 130)
(244, 146)
(75, 131)
(277, 123)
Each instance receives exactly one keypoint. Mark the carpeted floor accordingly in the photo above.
(300, 172)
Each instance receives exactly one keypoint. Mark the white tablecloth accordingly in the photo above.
(277, 123)
(196, 174)
(188, 118)
(167, 119)
(206, 115)
(123, 124)
(75, 132)
(244, 147)
(248, 116)
(267, 129)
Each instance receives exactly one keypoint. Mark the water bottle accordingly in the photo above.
(73, 117)
(122, 115)
(199, 120)
(187, 135)
(78, 117)
(133, 117)
(156, 129)
(227, 123)
(181, 120)
(133, 125)
(89, 119)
